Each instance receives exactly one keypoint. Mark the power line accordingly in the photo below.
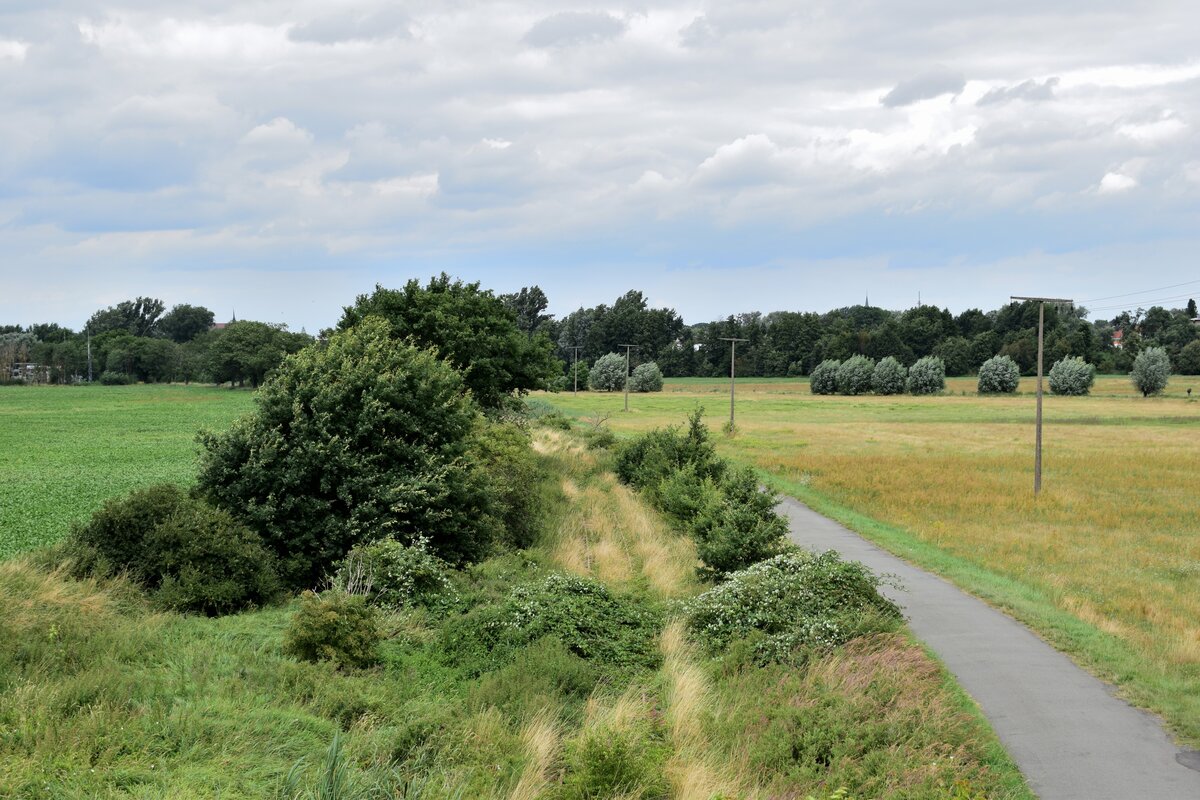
(1125, 306)
(1144, 291)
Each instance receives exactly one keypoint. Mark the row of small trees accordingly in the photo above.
(608, 375)
(998, 375)
(860, 375)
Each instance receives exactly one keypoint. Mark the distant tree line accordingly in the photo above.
(785, 343)
(509, 342)
(140, 340)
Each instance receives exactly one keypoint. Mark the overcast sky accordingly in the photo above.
(277, 158)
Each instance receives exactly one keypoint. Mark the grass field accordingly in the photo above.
(1105, 563)
(102, 698)
(64, 450)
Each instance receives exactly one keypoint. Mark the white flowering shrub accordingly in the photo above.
(927, 376)
(889, 377)
(791, 604)
(1072, 376)
(854, 375)
(999, 375)
(1151, 369)
(608, 373)
(392, 575)
(646, 378)
(823, 378)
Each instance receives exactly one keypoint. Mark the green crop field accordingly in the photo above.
(1105, 563)
(64, 450)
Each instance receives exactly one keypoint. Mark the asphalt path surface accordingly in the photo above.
(1072, 738)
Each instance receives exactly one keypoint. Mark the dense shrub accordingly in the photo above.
(205, 561)
(927, 376)
(823, 378)
(791, 603)
(854, 375)
(621, 761)
(190, 556)
(334, 626)
(1151, 370)
(514, 479)
(646, 378)
(360, 439)
(608, 373)
(113, 378)
(1072, 376)
(685, 493)
(999, 375)
(114, 539)
(392, 575)
(1189, 359)
(738, 527)
(617, 634)
(889, 377)
(646, 461)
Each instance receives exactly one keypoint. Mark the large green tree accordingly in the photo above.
(185, 322)
(362, 438)
(246, 351)
(139, 317)
(469, 327)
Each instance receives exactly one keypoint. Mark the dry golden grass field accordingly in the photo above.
(1105, 563)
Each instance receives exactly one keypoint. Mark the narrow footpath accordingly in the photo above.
(1070, 735)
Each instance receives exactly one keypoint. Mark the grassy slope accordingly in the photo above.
(1104, 563)
(64, 450)
(101, 698)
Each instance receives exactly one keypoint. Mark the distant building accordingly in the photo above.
(1118, 338)
(1196, 320)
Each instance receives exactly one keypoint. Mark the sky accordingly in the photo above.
(275, 159)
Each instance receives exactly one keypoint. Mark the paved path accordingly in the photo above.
(1071, 737)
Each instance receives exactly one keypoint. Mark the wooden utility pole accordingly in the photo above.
(576, 348)
(627, 347)
(733, 343)
(1037, 452)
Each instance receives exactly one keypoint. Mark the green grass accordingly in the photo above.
(102, 698)
(65, 450)
(1104, 562)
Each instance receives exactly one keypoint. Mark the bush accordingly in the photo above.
(790, 604)
(618, 635)
(191, 556)
(740, 528)
(112, 378)
(392, 575)
(1189, 359)
(649, 459)
(1151, 370)
(889, 377)
(114, 539)
(823, 378)
(927, 376)
(608, 373)
(1072, 376)
(363, 438)
(207, 562)
(854, 375)
(334, 626)
(619, 761)
(684, 494)
(999, 375)
(646, 378)
(514, 478)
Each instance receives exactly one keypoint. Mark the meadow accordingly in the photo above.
(103, 697)
(65, 450)
(1105, 563)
